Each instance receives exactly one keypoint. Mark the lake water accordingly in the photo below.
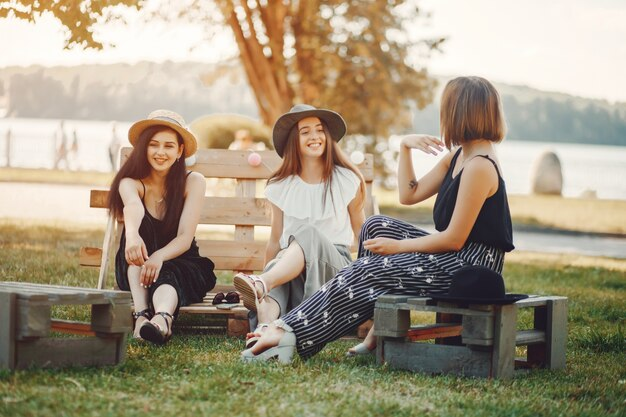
(585, 167)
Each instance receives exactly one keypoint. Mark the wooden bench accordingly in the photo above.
(244, 210)
(474, 340)
(26, 324)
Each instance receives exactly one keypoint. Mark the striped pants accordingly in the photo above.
(347, 300)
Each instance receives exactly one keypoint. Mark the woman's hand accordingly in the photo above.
(150, 270)
(136, 252)
(383, 246)
(425, 143)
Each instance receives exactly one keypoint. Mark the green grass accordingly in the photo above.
(200, 374)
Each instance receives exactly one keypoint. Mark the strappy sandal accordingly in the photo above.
(283, 351)
(246, 285)
(252, 338)
(147, 314)
(152, 332)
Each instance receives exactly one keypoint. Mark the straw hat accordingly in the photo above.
(165, 118)
(284, 124)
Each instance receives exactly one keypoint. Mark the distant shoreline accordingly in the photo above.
(549, 214)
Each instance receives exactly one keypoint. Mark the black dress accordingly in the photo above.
(190, 274)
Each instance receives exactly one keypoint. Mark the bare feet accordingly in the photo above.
(164, 325)
(365, 347)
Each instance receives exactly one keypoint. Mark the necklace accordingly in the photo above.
(158, 205)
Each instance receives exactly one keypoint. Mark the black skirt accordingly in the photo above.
(190, 274)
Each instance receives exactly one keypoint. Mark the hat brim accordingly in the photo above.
(189, 140)
(508, 299)
(336, 126)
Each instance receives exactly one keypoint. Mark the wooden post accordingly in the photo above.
(111, 318)
(238, 325)
(106, 252)
(556, 333)
(448, 318)
(7, 330)
(505, 329)
(536, 354)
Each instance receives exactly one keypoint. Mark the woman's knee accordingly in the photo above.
(371, 224)
(305, 231)
(133, 272)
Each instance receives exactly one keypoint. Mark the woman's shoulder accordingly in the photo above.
(347, 177)
(347, 173)
(130, 183)
(195, 180)
(194, 176)
(481, 169)
(128, 186)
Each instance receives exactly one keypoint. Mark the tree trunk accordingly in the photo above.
(264, 64)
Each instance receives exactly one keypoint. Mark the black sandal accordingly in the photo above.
(147, 314)
(152, 332)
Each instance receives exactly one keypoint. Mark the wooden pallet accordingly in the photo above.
(26, 324)
(474, 340)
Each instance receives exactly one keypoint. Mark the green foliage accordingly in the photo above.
(78, 17)
(356, 57)
(200, 374)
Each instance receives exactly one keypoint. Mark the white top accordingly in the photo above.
(303, 203)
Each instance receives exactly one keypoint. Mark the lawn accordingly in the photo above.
(200, 374)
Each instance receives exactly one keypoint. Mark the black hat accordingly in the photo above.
(478, 285)
(284, 124)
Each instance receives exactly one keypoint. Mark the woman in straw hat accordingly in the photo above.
(160, 202)
(471, 216)
(317, 209)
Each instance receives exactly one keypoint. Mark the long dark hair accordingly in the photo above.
(138, 167)
(333, 156)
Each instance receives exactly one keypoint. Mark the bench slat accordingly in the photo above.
(245, 211)
(226, 255)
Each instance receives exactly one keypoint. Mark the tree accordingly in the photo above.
(354, 56)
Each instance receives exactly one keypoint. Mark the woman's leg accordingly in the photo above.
(310, 260)
(383, 226)
(164, 299)
(289, 266)
(139, 294)
(348, 300)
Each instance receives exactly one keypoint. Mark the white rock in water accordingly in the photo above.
(588, 194)
(546, 176)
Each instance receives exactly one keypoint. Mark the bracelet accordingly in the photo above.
(412, 184)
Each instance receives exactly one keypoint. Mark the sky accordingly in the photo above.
(572, 46)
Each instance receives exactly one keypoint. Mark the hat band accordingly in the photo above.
(167, 119)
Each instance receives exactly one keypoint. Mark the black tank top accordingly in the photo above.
(493, 224)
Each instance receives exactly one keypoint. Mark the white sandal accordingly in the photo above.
(246, 285)
(360, 349)
(251, 341)
(283, 351)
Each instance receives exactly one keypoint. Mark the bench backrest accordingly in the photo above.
(244, 210)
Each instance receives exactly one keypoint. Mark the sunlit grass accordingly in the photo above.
(200, 374)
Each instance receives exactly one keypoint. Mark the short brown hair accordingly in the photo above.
(471, 109)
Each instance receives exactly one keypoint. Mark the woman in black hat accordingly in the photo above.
(317, 210)
(471, 216)
(160, 201)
